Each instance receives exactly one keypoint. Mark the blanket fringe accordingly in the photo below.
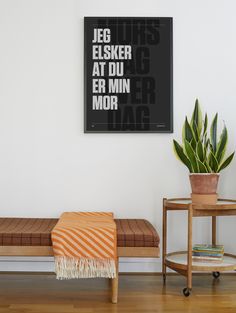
(68, 268)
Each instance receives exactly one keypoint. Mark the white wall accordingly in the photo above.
(48, 165)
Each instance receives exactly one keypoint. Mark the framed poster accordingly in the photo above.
(128, 74)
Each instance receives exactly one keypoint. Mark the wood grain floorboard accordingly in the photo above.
(29, 293)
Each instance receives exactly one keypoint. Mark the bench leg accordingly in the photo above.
(114, 284)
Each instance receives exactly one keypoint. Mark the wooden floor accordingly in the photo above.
(34, 293)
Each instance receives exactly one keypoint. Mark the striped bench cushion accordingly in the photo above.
(37, 232)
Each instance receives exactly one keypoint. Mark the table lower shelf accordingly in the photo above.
(178, 262)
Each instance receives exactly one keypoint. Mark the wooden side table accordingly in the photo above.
(181, 261)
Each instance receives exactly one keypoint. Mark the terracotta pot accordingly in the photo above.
(204, 183)
(204, 198)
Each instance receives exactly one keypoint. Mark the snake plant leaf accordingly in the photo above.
(221, 146)
(211, 147)
(207, 166)
(179, 152)
(205, 144)
(205, 124)
(226, 162)
(213, 162)
(187, 131)
(192, 156)
(200, 152)
(196, 131)
(197, 117)
(202, 167)
(213, 133)
(193, 143)
(205, 140)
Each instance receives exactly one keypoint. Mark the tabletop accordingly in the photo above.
(185, 203)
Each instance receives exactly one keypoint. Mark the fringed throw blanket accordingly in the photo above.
(84, 245)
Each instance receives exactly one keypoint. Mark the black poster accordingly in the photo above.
(128, 74)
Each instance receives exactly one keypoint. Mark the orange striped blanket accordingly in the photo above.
(84, 245)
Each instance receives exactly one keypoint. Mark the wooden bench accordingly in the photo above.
(32, 237)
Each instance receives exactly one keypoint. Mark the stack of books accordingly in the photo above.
(208, 253)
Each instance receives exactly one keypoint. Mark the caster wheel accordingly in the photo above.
(186, 292)
(216, 274)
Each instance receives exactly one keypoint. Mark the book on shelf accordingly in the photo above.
(208, 248)
(208, 253)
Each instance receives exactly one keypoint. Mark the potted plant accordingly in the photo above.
(203, 154)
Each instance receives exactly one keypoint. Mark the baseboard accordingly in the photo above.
(46, 264)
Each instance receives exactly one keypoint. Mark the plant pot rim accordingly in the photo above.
(205, 174)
